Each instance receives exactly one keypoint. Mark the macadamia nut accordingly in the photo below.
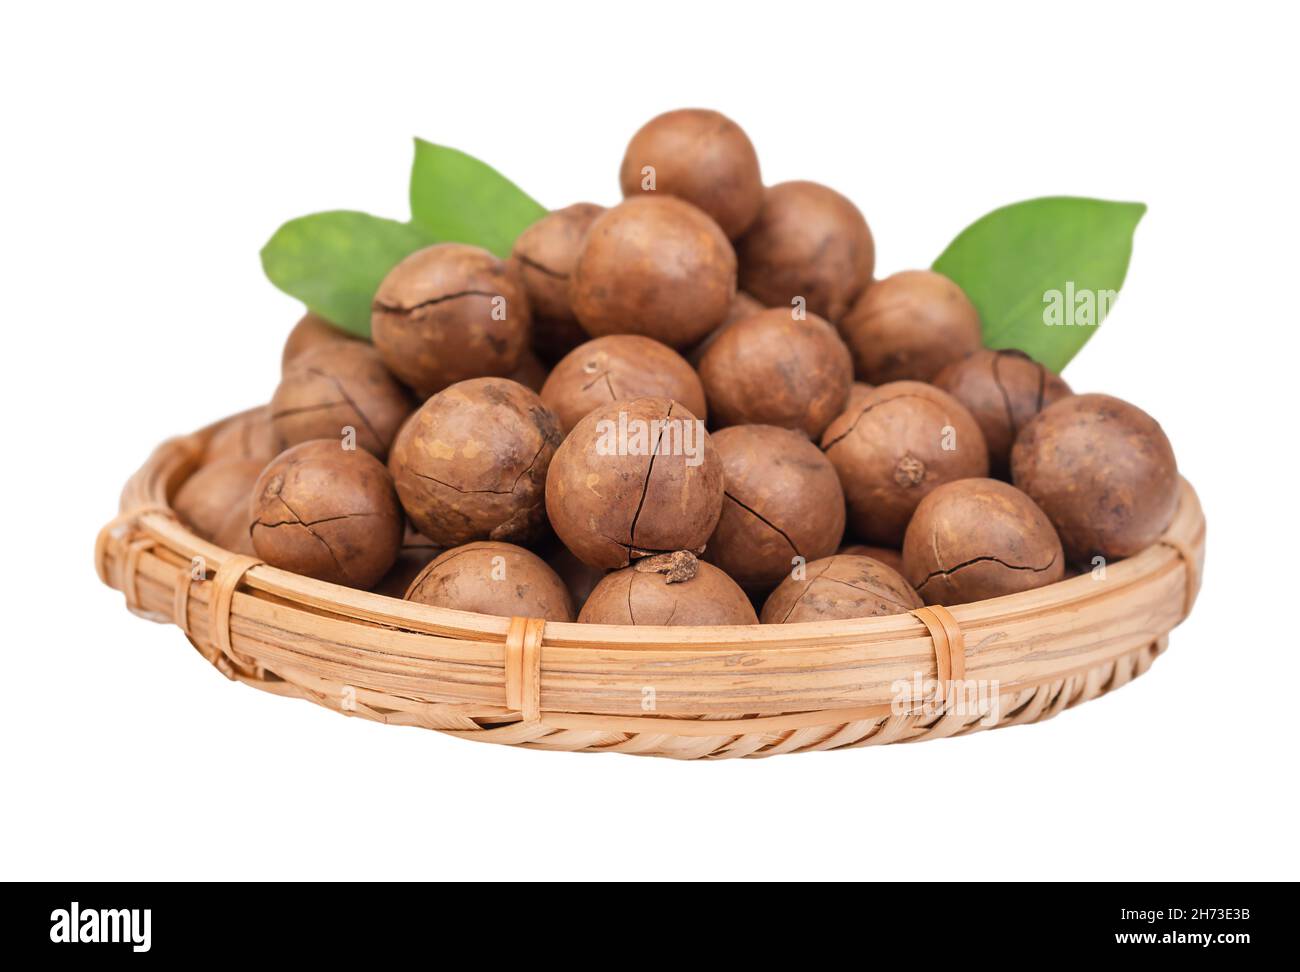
(311, 332)
(1103, 472)
(701, 156)
(338, 390)
(808, 242)
(978, 538)
(909, 326)
(493, 578)
(205, 500)
(656, 266)
(668, 589)
(783, 505)
(840, 587)
(246, 436)
(617, 368)
(897, 444)
(635, 478)
(327, 512)
(471, 464)
(545, 254)
(771, 369)
(448, 313)
(1003, 390)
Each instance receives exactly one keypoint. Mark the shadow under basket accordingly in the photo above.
(689, 693)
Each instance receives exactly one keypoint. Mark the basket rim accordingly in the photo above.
(146, 500)
(717, 692)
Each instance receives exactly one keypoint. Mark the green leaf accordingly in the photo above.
(458, 198)
(334, 262)
(1021, 262)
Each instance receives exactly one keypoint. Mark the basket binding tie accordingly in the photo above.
(524, 667)
(949, 645)
(229, 574)
(126, 525)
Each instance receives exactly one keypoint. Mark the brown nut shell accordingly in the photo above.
(447, 313)
(488, 577)
(656, 266)
(327, 512)
(770, 369)
(205, 500)
(545, 254)
(338, 386)
(857, 391)
(907, 327)
(581, 579)
(246, 436)
(531, 373)
(978, 538)
(809, 242)
(1003, 390)
(471, 463)
(700, 156)
(616, 368)
(783, 505)
(1104, 473)
(901, 441)
(635, 478)
(416, 552)
(888, 556)
(840, 587)
(311, 332)
(668, 589)
(235, 533)
(742, 306)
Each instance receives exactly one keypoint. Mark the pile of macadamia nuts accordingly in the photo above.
(695, 407)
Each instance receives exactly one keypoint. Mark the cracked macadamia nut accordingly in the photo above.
(327, 512)
(447, 313)
(771, 369)
(246, 436)
(335, 387)
(656, 266)
(895, 446)
(616, 368)
(471, 464)
(782, 502)
(701, 156)
(909, 326)
(545, 254)
(839, 587)
(979, 538)
(205, 500)
(809, 242)
(493, 578)
(1003, 390)
(635, 478)
(1103, 472)
(310, 333)
(668, 589)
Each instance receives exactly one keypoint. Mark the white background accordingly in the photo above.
(147, 152)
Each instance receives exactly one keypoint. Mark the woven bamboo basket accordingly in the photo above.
(689, 693)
